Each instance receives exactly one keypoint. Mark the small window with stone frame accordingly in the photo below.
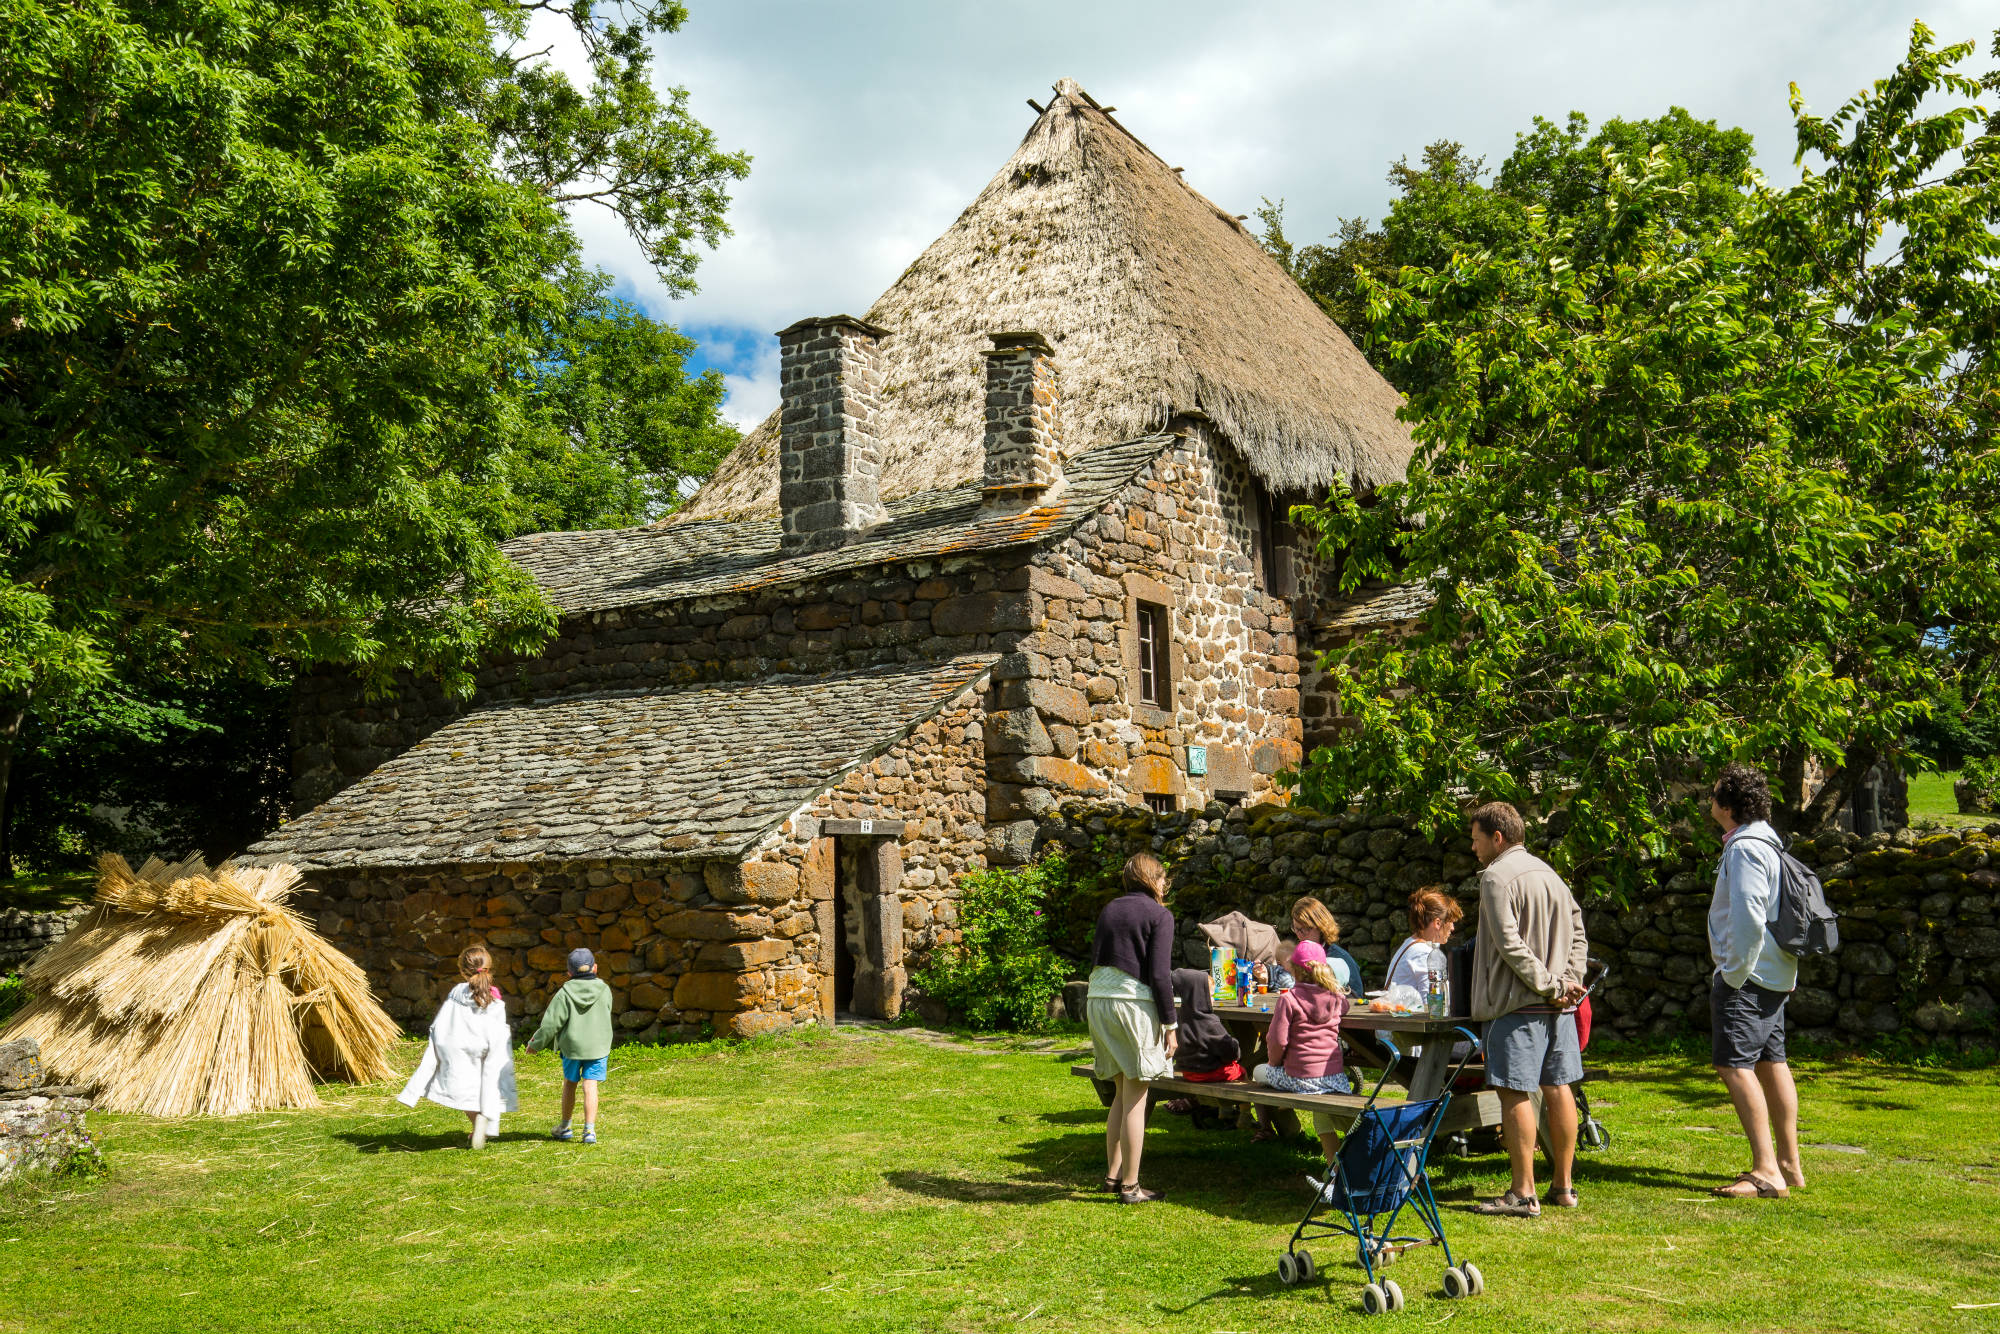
(1160, 803)
(1156, 686)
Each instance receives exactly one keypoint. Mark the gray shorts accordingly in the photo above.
(1526, 1051)
(1746, 1025)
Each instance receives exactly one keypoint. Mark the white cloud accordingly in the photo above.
(874, 124)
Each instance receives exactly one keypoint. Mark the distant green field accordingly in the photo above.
(1932, 801)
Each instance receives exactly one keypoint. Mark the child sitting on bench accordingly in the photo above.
(1303, 1042)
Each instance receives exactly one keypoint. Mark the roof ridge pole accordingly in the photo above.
(829, 462)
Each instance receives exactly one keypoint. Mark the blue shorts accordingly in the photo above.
(575, 1072)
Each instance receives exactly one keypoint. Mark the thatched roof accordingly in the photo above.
(1158, 303)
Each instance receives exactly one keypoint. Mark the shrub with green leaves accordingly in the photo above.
(1002, 973)
(1981, 780)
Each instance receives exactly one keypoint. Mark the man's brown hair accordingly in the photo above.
(1743, 792)
(1497, 817)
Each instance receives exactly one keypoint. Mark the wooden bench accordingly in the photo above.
(1468, 1111)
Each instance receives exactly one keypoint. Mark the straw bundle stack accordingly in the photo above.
(187, 991)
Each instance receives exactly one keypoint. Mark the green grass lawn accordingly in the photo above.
(876, 1182)
(42, 892)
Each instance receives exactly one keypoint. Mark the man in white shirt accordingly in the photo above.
(1753, 980)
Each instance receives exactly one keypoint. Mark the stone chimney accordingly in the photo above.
(829, 466)
(1023, 437)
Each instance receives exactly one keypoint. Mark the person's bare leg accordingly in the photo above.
(1781, 1102)
(568, 1101)
(1560, 1105)
(590, 1102)
(1517, 1132)
(1114, 1131)
(1134, 1138)
(1747, 1093)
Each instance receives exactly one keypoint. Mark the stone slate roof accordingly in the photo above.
(702, 771)
(622, 567)
(1373, 605)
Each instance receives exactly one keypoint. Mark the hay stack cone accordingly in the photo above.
(191, 992)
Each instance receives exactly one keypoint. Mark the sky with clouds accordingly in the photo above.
(874, 122)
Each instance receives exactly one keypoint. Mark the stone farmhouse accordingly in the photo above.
(1014, 536)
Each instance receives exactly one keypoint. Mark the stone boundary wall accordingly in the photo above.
(1920, 938)
(24, 934)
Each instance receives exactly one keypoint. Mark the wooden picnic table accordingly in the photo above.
(1358, 1029)
(1472, 1109)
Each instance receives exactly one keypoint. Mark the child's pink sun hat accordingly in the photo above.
(1306, 953)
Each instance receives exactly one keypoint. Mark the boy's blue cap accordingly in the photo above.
(581, 960)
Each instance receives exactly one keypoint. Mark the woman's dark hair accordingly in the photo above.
(1744, 793)
(1143, 872)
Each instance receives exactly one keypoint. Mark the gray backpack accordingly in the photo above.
(1804, 925)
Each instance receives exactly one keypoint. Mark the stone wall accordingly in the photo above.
(1069, 720)
(1920, 936)
(25, 934)
(688, 946)
(42, 1126)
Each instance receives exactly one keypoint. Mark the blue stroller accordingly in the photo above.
(1379, 1172)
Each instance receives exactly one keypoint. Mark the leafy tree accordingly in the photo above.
(1707, 495)
(612, 422)
(273, 279)
(1446, 206)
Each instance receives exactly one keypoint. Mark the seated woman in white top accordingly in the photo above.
(1434, 915)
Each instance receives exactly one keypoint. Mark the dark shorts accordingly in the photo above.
(1526, 1051)
(1746, 1025)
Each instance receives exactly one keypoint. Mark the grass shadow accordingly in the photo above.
(419, 1141)
(967, 1191)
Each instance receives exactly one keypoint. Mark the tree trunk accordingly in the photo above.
(1833, 794)
(12, 714)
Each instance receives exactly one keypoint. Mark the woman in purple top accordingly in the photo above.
(1131, 1009)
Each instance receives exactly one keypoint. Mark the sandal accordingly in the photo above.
(1111, 1184)
(1510, 1205)
(1760, 1189)
(1139, 1195)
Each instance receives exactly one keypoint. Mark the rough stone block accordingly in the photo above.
(755, 1023)
(743, 955)
(20, 1065)
(1060, 702)
(986, 613)
(1017, 732)
(718, 992)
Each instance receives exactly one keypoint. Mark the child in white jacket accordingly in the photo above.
(469, 1063)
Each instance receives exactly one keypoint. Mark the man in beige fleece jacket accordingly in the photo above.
(1527, 974)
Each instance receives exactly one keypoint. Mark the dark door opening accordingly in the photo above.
(843, 951)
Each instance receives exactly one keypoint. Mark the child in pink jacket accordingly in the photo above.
(1303, 1043)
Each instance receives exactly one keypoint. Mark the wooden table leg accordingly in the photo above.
(1432, 1068)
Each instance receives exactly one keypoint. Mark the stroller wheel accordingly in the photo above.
(1594, 1135)
(1394, 1292)
(1474, 1280)
(1374, 1301)
(1306, 1269)
(1288, 1269)
(1455, 1285)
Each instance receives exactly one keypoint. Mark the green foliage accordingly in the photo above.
(1955, 730)
(612, 421)
(1445, 207)
(1078, 889)
(1002, 973)
(1982, 776)
(13, 995)
(276, 280)
(151, 766)
(1697, 496)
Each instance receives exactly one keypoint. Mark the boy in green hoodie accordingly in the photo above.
(578, 1024)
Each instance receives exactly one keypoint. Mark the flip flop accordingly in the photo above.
(1760, 1189)
(1509, 1205)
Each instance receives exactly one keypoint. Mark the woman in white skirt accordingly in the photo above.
(469, 1063)
(1131, 1009)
